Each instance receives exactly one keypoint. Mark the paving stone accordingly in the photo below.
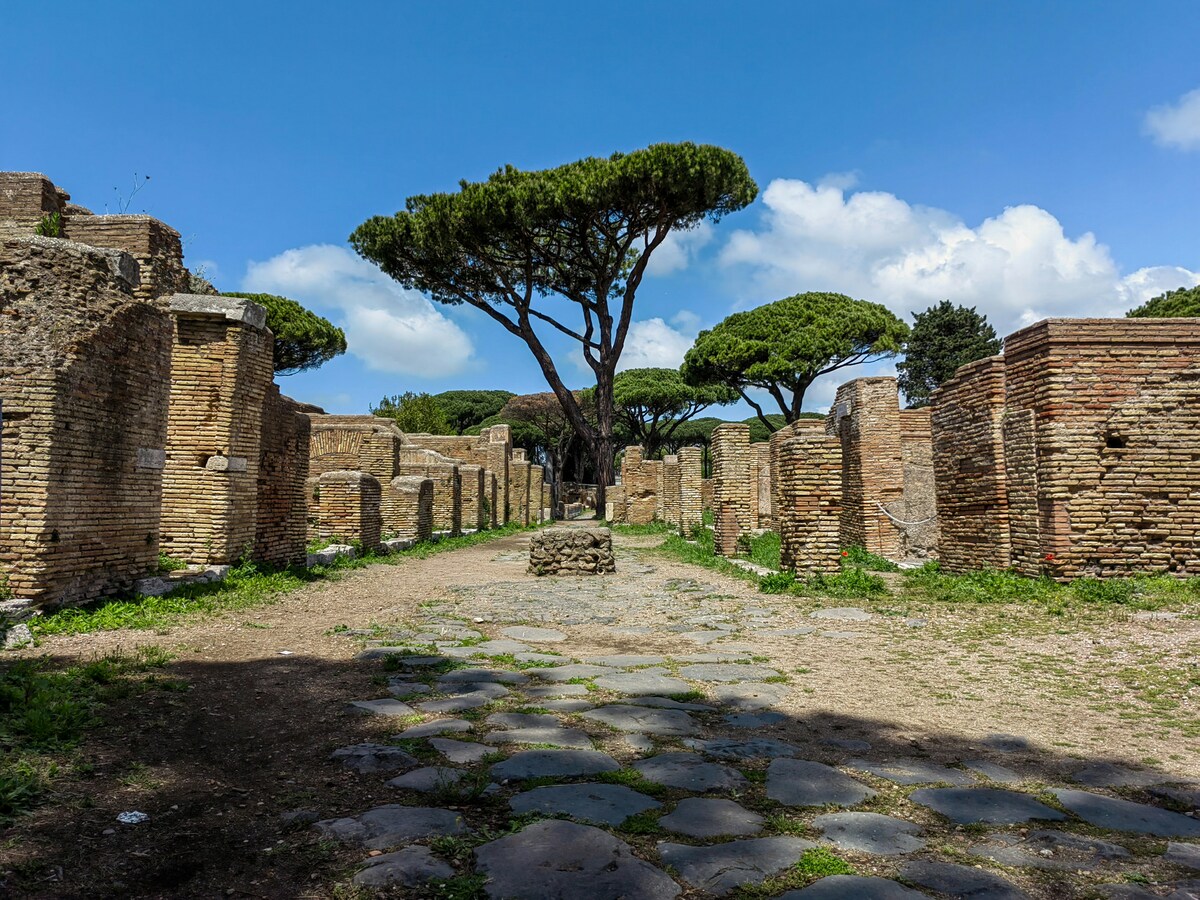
(854, 887)
(461, 751)
(852, 744)
(545, 691)
(521, 720)
(568, 861)
(457, 703)
(705, 637)
(491, 689)
(1050, 851)
(1186, 855)
(438, 726)
(1109, 775)
(751, 748)
(621, 661)
(842, 613)
(787, 632)
(993, 771)
(566, 673)
(567, 705)
(1180, 890)
(385, 827)
(720, 868)
(554, 763)
(958, 881)
(1186, 795)
(639, 743)
(701, 817)
(750, 695)
(689, 772)
(668, 703)
(843, 635)
(368, 758)
(643, 682)
(570, 738)
(429, 778)
(713, 656)
(493, 675)
(1006, 743)
(1124, 815)
(410, 867)
(968, 806)
(600, 804)
(401, 689)
(388, 706)
(912, 771)
(726, 672)
(866, 832)
(673, 722)
(799, 782)
(754, 720)
(536, 635)
(550, 658)
(405, 653)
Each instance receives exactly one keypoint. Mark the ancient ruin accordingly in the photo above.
(571, 551)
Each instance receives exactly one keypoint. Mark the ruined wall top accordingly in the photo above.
(331, 422)
(1129, 332)
(235, 309)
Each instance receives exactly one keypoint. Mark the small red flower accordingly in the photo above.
(845, 553)
(1049, 557)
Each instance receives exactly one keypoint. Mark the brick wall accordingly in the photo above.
(537, 488)
(84, 371)
(969, 470)
(641, 482)
(732, 488)
(518, 487)
(447, 484)
(355, 443)
(473, 511)
(406, 508)
(706, 493)
(347, 507)
(499, 448)
(761, 486)
(809, 500)
(691, 500)
(282, 472)
(671, 490)
(919, 538)
(616, 507)
(25, 197)
(156, 246)
(220, 370)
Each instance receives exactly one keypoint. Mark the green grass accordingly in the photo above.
(655, 527)
(247, 586)
(45, 712)
(849, 584)
(764, 549)
(857, 556)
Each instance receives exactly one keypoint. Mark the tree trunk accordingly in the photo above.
(602, 444)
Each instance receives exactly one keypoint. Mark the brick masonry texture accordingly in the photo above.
(691, 492)
(671, 488)
(571, 551)
(732, 461)
(407, 508)
(1099, 433)
(447, 484)
(282, 510)
(346, 508)
(809, 500)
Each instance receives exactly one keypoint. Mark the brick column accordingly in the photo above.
(810, 488)
(671, 491)
(691, 478)
(499, 447)
(518, 487)
(348, 508)
(473, 512)
(220, 371)
(731, 485)
(407, 508)
(537, 485)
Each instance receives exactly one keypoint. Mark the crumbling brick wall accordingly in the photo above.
(732, 459)
(84, 371)
(474, 509)
(406, 508)
(476, 450)
(616, 507)
(518, 487)
(447, 484)
(969, 470)
(25, 199)
(919, 537)
(537, 487)
(156, 246)
(671, 490)
(220, 370)
(355, 443)
(346, 507)
(706, 493)
(641, 481)
(691, 489)
(282, 473)
(760, 473)
(809, 500)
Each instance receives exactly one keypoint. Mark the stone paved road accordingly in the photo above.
(546, 747)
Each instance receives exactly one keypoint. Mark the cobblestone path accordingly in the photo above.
(545, 747)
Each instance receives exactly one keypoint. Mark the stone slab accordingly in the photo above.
(554, 763)
(1050, 851)
(599, 804)
(865, 832)
(538, 692)
(642, 683)
(457, 703)
(689, 772)
(666, 722)
(388, 706)
(854, 887)
(1186, 855)
(721, 868)
(701, 817)
(493, 675)
(842, 614)
(992, 806)
(566, 673)
(750, 695)
(912, 771)
(567, 861)
(571, 738)
(993, 771)
(625, 660)
(536, 635)
(428, 778)
(368, 758)
(726, 673)
(668, 703)
(390, 826)
(954, 880)
(410, 867)
(430, 729)
(460, 751)
(1125, 815)
(800, 782)
(751, 748)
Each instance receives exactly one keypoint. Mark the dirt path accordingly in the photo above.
(217, 766)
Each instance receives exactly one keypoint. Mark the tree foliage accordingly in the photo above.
(651, 404)
(519, 244)
(303, 340)
(1179, 303)
(943, 338)
(466, 409)
(414, 413)
(782, 347)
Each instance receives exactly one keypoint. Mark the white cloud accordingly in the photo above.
(652, 343)
(678, 249)
(388, 327)
(1176, 124)
(1016, 267)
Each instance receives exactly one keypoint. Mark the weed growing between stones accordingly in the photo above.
(816, 863)
(858, 556)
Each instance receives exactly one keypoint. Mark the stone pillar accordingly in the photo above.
(866, 418)
(810, 476)
(518, 487)
(671, 491)
(220, 370)
(347, 509)
(691, 480)
(498, 449)
(407, 508)
(494, 515)
(473, 507)
(537, 485)
(731, 485)
(616, 508)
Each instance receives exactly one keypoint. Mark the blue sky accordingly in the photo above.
(1029, 158)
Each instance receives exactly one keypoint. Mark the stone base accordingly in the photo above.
(571, 551)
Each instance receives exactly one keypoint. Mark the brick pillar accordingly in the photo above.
(518, 487)
(537, 484)
(220, 370)
(810, 488)
(616, 507)
(407, 508)
(731, 485)
(499, 447)
(348, 508)
(691, 493)
(282, 472)
(671, 491)
(866, 418)
(491, 489)
(473, 511)
(762, 484)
